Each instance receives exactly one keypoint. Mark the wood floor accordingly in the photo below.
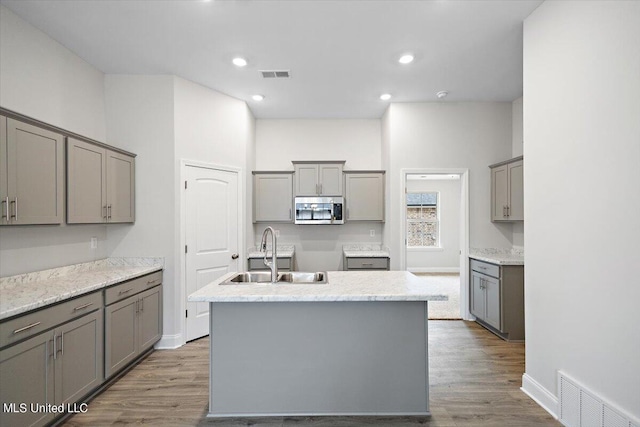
(475, 381)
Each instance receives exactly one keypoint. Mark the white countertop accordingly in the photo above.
(365, 251)
(284, 251)
(341, 286)
(498, 256)
(26, 292)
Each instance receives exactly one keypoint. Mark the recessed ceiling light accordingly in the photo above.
(385, 96)
(258, 97)
(406, 59)
(442, 94)
(239, 62)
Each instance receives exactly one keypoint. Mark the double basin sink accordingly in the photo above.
(289, 277)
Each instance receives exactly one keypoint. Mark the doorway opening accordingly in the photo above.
(435, 235)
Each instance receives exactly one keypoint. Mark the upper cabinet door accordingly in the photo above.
(330, 179)
(364, 196)
(4, 195)
(516, 191)
(306, 179)
(499, 193)
(272, 197)
(86, 182)
(33, 163)
(120, 187)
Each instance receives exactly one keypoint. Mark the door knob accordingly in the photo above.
(234, 256)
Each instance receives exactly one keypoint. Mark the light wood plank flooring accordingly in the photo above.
(475, 379)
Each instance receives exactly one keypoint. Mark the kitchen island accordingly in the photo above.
(356, 345)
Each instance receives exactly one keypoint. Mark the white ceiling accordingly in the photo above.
(342, 54)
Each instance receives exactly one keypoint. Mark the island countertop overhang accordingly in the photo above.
(341, 286)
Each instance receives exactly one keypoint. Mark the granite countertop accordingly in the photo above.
(365, 251)
(341, 286)
(284, 251)
(26, 292)
(498, 256)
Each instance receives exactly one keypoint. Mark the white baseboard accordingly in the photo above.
(434, 270)
(168, 342)
(540, 395)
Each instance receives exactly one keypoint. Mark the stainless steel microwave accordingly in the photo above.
(319, 210)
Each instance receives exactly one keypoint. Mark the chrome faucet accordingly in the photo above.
(273, 264)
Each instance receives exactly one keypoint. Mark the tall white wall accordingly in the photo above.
(448, 135)
(358, 142)
(140, 120)
(42, 79)
(445, 258)
(517, 149)
(582, 133)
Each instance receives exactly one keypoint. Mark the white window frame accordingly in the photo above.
(438, 245)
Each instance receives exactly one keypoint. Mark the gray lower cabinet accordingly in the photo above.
(257, 264)
(31, 174)
(58, 366)
(366, 263)
(497, 298)
(133, 321)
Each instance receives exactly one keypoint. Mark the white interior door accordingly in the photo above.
(211, 237)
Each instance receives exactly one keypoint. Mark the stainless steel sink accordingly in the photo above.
(293, 278)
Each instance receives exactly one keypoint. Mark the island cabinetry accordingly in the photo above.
(364, 195)
(507, 191)
(100, 185)
(318, 178)
(31, 174)
(497, 298)
(133, 320)
(272, 196)
(58, 366)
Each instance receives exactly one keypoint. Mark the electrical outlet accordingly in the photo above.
(372, 233)
(277, 233)
(94, 243)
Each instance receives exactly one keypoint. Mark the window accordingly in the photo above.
(423, 227)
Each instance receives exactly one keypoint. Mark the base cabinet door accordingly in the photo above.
(27, 375)
(492, 301)
(120, 335)
(79, 362)
(149, 317)
(477, 296)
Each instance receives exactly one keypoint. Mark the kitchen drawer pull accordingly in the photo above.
(104, 208)
(55, 350)
(482, 268)
(33, 325)
(62, 343)
(15, 207)
(150, 282)
(6, 209)
(367, 263)
(80, 307)
(124, 292)
(108, 212)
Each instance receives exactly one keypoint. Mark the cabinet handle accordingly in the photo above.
(104, 208)
(6, 208)
(367, 263)
(62, 343)
(124, 292)
(142, 304)
(347, 213)
(15, 208)
(109, 212)
(151, 282)
(320, 189)
(55, 351)
(33, 325)
(508, 211)
(137, 306)
(80, 307)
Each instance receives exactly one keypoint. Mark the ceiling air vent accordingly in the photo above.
(275, 74)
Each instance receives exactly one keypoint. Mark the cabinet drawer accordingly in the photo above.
(485, 268)
(131, 287)
(14, 330)
(258, 264)
(367, 263)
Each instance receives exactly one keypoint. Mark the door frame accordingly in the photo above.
(181, 270)
(464, 228)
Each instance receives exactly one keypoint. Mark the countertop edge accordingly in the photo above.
(496, 261)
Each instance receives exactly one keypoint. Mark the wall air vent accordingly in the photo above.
(275, 74)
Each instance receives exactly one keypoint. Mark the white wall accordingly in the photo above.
(42, 79)
(517, 146)
(446, 258)
(140, 119)
(358, 142)
(448, 135)
(582, 133)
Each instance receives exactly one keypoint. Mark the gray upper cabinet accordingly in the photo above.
(507, 191)
(272, 196)
(31, 174)
(364, 195)
(101, 184)
(318, 178)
